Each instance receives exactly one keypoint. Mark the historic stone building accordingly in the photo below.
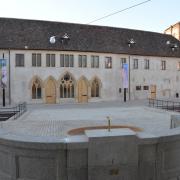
(174, 30)
(85, 63)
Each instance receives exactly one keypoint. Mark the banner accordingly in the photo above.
(3, 73)
(125, 75)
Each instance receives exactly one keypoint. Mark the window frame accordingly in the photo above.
(108, 60)
(163, 65)
(37, 60)
(138, 88)
(94, 61)
(66, 60)
(135, 63)
(82, 61)
(123, 61)
(50, 60)
(20, 62)
(146, 64)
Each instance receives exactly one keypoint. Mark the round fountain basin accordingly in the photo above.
(80, 131)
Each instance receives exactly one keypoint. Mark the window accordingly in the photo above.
(177, 95)
(95, 88)
(50, 60)
(36, 90)
(123, 61)
(95, 61)
(36, 60)
(138, 88)
(178, 66)
(163, 65)
(66, 60)
(108, 62)
(146, 88)
(19, 60)
(135, 64)
(67, 86)
(82, 61)
(146, 64)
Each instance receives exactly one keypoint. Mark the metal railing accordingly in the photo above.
(164, 104)
(17, 110)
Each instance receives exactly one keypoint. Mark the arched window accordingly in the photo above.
(67, 87)
(36, 90)
(95, 88)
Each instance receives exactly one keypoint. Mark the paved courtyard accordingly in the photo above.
(57, 120)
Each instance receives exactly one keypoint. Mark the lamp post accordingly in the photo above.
(131, 43)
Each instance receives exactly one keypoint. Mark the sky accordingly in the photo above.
(155, 15)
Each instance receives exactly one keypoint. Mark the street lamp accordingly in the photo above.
(63, 39)
(131, 43)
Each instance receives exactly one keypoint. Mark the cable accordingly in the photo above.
(111, 14)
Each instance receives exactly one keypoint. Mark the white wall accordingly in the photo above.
(111, 78)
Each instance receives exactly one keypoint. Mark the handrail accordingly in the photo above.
(18, 110)
(164, 104)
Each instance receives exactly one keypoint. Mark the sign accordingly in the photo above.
(3, 73)
(125, 75)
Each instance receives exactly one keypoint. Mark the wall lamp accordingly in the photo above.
(173, 46)
(63, 39)
(131, 42)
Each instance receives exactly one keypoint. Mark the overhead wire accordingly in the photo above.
(116, 12)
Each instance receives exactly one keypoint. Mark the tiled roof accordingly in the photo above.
(18, 33)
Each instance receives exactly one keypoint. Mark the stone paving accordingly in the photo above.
(57, 120)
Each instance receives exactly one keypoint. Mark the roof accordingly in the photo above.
(18, 33)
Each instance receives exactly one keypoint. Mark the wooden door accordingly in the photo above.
(153, 91)
(50, 91)
(82, 91)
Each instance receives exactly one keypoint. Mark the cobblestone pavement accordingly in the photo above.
(57, 120)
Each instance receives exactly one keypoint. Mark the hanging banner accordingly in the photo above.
(125, 75)
(3, 73)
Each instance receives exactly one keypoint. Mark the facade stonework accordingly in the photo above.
(165, 82)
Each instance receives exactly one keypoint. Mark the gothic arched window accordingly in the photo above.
(67, 86)
(95, 88)
(36, 90)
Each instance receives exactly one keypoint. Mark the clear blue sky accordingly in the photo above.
(155, 15)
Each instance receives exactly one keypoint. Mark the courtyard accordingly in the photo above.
(56, 120)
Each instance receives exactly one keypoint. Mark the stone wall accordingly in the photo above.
(116, 155)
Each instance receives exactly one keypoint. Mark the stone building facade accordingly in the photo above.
(87, 68)
(174, 30)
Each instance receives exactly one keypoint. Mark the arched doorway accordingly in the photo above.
(82, 90)
(50, 91)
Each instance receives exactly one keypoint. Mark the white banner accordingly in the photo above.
(3, 73)
(125, 75)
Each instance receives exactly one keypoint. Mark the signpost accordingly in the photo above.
(3, 77)
(125, 76)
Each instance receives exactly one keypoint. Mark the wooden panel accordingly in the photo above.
(50, 91)
(82, 91)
